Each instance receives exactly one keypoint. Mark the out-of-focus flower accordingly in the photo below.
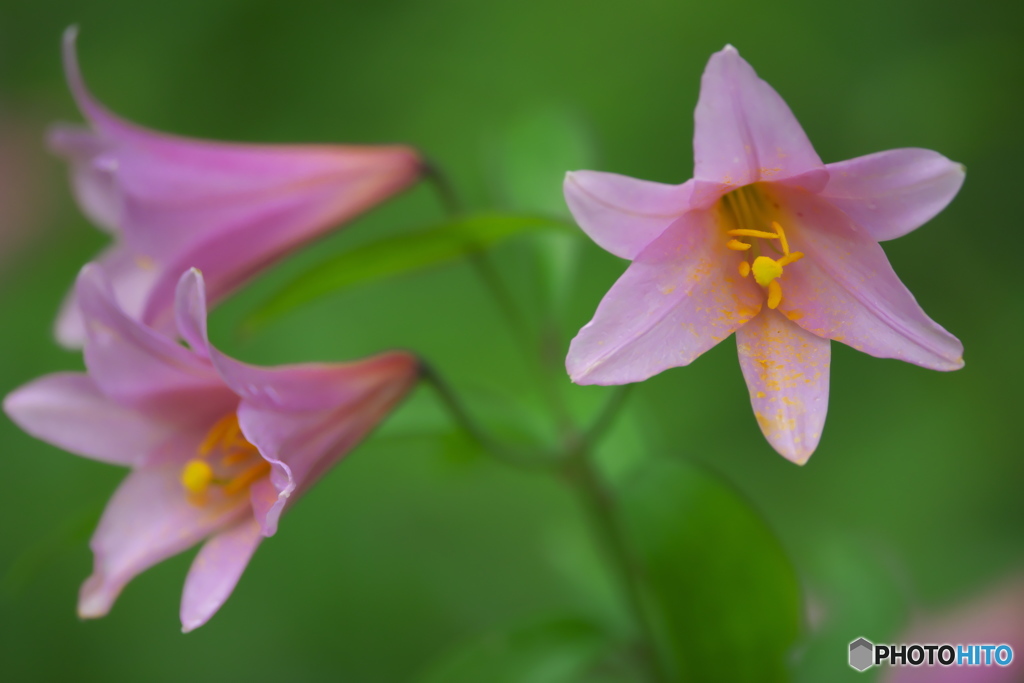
(173, 203)
(765, 241)
(218, 448)
(995, 618)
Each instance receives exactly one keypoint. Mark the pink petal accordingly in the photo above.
(290, 388)
(93, 174)
(216, 571)
(845, 289)
(679, 297)
(301, 418)
(67, 410)
(136, 366)
(130, 278)
(231, 209)
(995, 617)
(745, 133)
(786, 369)
(622, 214)
(303, 446)
(888, 194)
(146, 521)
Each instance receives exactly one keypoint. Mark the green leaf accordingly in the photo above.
(556, 651)
(400, 254)
(724, 597)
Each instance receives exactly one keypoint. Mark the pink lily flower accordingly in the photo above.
(993, 618)
(218, 448)
(765, 241)
(173, 203)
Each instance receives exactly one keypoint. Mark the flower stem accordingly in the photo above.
(458, 412)
(600, 504)
(438, 179)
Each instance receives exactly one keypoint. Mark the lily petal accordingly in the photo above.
(786, 369)
(232, 209)
(130, 277)
(892, 193)
(93, 174)
(308, 387)
(137, 366)
(146, 521)
(67, 410)
(215, 572)
(622, 214)
(679, 297)
(845, 289)
(302, 447)
(301, 418)
(745, 133)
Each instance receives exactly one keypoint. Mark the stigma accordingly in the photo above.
(745, 212)
(225, 461)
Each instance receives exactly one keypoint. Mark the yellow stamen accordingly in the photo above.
(196, 476)
(774, 294)
(217, 433)
(743, 232)
(744, 269)
(736, 245)
(791, 258)
(238, 456)
(782, 237)
(247, 477)
(765, 270)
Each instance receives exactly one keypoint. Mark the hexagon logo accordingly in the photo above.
(861, 651)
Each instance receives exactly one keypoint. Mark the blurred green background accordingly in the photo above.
(912, 502)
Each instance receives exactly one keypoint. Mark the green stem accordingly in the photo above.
(463, 419)
(600, 503)
(438, 179)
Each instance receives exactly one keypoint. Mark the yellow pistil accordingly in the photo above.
(736, 245)
(765, 270)
(237, 465)
(196, 476)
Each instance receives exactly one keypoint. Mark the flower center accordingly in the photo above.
(745, 212)
(225, 460)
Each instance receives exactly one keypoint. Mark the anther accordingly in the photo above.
(791, 258)
(744, 269)
(736, 245)
(743, 232)
(247, 477)
(774, 294)
(217, 433)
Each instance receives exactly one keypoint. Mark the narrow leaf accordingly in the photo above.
(400, 254)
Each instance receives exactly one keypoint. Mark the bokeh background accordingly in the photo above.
(912, 504)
